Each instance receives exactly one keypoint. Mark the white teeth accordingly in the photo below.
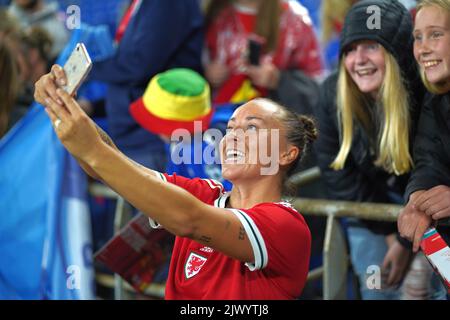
(428, 64)
(365, 72)
(234, 154)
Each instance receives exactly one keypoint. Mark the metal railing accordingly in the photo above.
(335, 252)
(333, 272)
(336, 259)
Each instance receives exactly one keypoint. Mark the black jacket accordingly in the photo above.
(360, 180)
(432, 149)
(432, 145)
(296, 91)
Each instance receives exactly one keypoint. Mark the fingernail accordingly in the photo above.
(47, 101)
(62, 82)
(59, 101)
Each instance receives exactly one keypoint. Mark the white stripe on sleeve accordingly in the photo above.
(214, 184)
(256, 241)
(153, 223)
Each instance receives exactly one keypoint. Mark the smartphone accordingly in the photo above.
(77, 68)
(255, 44)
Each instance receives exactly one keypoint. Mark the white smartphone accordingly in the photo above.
(77, 68)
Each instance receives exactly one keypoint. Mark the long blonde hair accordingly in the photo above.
(393, 138)
(444, 4)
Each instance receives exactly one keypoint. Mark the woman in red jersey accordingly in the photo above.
(246, 244)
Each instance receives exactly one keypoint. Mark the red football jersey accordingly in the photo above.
(298, 47)
(281, 243)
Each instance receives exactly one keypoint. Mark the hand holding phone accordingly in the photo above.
(77, 68)
(255, 44)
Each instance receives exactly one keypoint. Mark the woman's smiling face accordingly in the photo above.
(432, 44)
(254, 140)
(365, 63)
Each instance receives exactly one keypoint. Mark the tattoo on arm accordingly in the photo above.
(241, 233)
(105, 137)
(205, 239)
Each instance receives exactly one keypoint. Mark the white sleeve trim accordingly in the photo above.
(256, 241)
(214, 184)
(160, 175)
(153, 223)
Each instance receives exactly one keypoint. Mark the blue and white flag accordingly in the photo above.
(45, 231)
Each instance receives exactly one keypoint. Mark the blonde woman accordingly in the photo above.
(366, 118)
(428, 190)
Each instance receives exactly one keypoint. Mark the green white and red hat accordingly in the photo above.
(174, 99)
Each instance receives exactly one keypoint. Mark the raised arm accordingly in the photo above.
(45, 92)
(173, 207)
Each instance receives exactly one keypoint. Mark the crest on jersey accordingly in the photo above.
(193, 265)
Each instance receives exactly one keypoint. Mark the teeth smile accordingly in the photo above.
(365, 72)
(234, 154)
(428, 64)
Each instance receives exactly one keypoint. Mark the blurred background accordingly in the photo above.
(54, 219)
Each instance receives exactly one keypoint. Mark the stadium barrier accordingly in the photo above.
(336, 261)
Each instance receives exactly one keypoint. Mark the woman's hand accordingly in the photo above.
(413, 223)
(396, 261)
(265, 75)
(434, 202)
(46, 86)
(74, 128)
(216, 73)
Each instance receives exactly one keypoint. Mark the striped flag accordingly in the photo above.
(45, 232)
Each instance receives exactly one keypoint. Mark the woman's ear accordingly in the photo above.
(291, 154)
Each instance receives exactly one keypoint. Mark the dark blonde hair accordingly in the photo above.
(267, 20)
(39, 39)
(444, 4)
(9, 26)
(301, 130)
(8, 85)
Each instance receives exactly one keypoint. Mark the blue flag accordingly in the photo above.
(45, 232)
(45, 226)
